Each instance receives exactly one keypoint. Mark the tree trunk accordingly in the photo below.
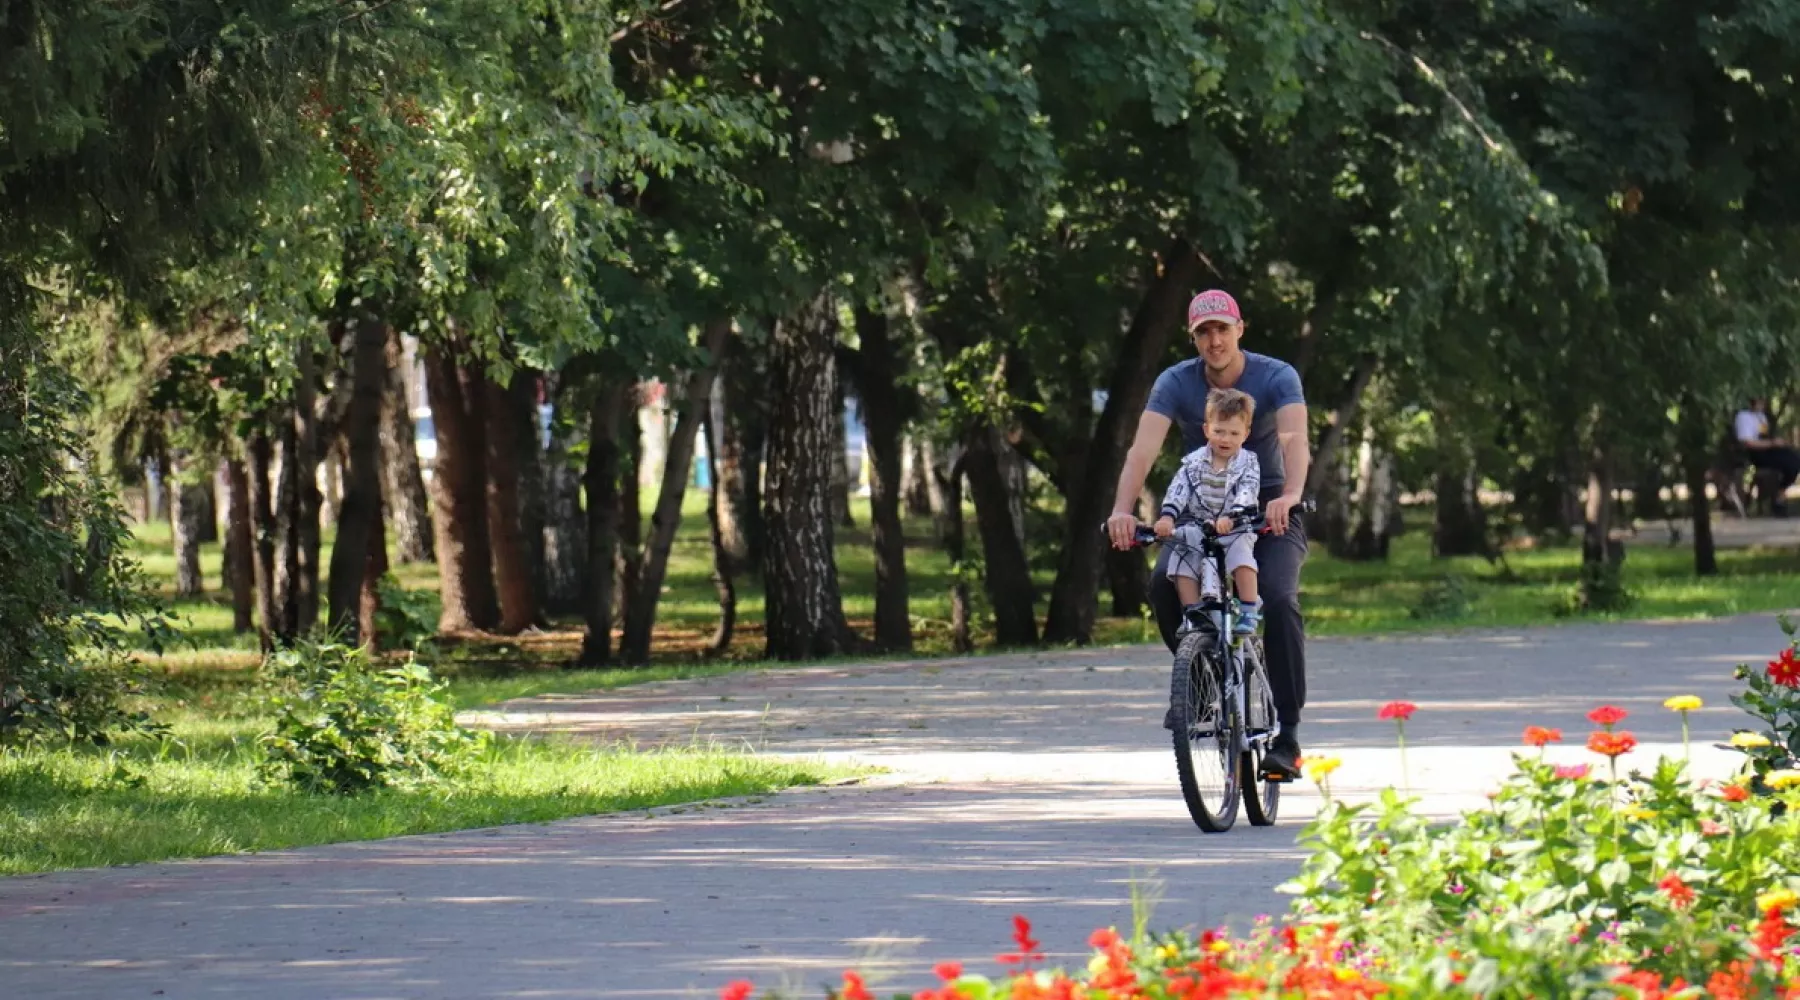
(375, 567)
(297, 504)
(884, 412)
(1461, 523)
(739, 413)
(1073, 597)
(331, 495)
(805, 613)
(208, 495)
(534, 504)
(1346, 415)
(1372, 503)
(188, 514)
(640, 615)
(565, 532)
(1696, 458)
(630, 548)
(1007, 574)
(459, 500)
(1597, 545)
(505, 441)
(1646, 501)
(840, 464)
(403, 486)
(723, 562)
(359, 514)
(951, 492)
(608, 420)
(916, 481)
(240, 542)
(263, 527)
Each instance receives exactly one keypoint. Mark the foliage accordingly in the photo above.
(70, 590)
(1446, 599)
(1772, 695)
(408, 618)
(1599, 588)
(345, 725)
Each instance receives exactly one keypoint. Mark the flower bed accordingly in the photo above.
(1573, 882)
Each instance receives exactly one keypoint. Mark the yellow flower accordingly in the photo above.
(1639, 812)
(1746, 741)
(1098, 964)
(1344, 975)
(1319, 768)
(1782, 779)
(1167, 953)
(1683, 703)
(1777, 899)
(1219, 946)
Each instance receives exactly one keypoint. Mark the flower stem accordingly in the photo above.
(1405, 775)
(1686, 754)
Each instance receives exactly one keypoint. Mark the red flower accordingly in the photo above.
(1734, 793)
(1028, 946)
(1733, 983)
(1103, 938)
(1679, 893)
(949, 972)
(1612, 744)
(738, 990)
(1785, 670)
(1607, 715)
(854, 988)
(1538, 736)
(1771, 934)
(1401, 710)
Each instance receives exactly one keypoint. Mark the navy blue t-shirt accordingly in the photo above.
(1180, 394)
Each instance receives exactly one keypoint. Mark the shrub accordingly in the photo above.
(1446, 599)
(408, 618)
(343, 725)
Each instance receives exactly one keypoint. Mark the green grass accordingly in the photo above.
(149, 800)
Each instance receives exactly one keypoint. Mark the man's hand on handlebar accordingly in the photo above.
(1121, 529)
(1275, 513)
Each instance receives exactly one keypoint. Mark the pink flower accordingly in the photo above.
(1573, 772)
(1712, 829)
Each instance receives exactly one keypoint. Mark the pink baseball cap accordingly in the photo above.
(1213, 304)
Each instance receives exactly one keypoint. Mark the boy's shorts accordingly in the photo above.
(1191, 563)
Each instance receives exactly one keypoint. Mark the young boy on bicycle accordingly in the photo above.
(1219, 476)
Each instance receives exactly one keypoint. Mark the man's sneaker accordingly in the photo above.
(1282, 760)
(1249, 617)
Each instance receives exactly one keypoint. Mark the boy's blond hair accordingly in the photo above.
(1224, 404)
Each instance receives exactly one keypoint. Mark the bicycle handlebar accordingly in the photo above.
(1243, 520)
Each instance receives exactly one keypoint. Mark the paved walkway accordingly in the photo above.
(1036, 783)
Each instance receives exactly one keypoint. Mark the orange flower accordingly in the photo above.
(854, 988)
(1607, 715)
(1608, 744)
(1734, 793)
(1103, 938)
(1538, 736)
(1680, 893)
(1785, 670)
(1731, 983)
(737, 990)
(1401, 710)
(1771, 934)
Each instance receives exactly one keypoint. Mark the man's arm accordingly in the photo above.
(1152, 429)
(1749, 431)
(1296, 460)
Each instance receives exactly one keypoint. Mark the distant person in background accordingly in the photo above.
(1751, 427)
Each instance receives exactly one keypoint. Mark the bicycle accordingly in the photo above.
(1223, 708)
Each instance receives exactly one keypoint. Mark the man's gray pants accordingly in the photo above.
(1279, 558)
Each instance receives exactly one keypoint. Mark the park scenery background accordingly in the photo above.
(364, 363)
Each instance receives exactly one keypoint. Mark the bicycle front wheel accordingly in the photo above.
(1262, 799)
(1208, 732)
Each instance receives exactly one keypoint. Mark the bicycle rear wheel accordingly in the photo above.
(1207, 734)
(1262, 799)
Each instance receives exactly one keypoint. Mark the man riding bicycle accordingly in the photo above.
(1278, 439)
